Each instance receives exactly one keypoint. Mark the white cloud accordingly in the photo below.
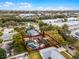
(25, 4)
(8, 4)
(12, 6)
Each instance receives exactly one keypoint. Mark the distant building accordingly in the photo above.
(26, 15)
(72, 19)
(51, 21)
(72, 22)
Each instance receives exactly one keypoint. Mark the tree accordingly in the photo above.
(76, 56)
(17, 37)
(65, 20)
(19, 29)
(67, 38)
(41, 23)
(18, 46)
(57, 36)
(65, 28)
(1, 40)
(2, 54)
(60, 16)
(1, 33)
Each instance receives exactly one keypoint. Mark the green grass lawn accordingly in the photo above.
(66, 55)
(34, 55)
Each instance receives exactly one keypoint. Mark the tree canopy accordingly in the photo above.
(19, 48)
(2, 54)
(1, 33)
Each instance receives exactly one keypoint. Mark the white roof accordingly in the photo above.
(26, 14)
(32, 32)
(7, 36)
(56, 55)
(73, 33)
(6, 30)
(52, 20)
(51, 52)
(61, 23)
(71, 18)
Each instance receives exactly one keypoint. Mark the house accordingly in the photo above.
(34, 34)
(7, 33)
(19, 56)
(52, 53)
(75, 34)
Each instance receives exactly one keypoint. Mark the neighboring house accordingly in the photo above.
(19, 56)
(7, 33)
(75, 33)
(34, 34)
(52, 53)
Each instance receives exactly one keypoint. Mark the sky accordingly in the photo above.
(39, 4)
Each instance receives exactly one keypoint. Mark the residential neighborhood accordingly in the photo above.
(29, 31)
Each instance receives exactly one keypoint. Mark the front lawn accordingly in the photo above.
(34, 55)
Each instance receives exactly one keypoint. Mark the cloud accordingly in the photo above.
(7, 4)
(24, 4)
(15, 6)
